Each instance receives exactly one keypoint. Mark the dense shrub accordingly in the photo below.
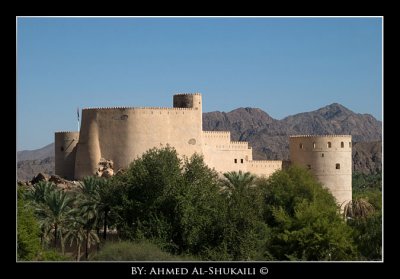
(135, 251)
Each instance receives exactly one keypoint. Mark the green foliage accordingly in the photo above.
(167, 206)
(40, 191)
(54, 213)
(145, 195)
(368, 187)
(243, 220)
(367, 231)
(52, 255)
(363, 181)
(368, 236)
(174, 203)
(304, 219)
(28, 231)
(135, 251)
(199, 208)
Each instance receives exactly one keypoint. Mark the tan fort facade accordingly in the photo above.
(122, 134)
(328, 158)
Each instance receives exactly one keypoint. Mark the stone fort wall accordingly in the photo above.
(122, 134)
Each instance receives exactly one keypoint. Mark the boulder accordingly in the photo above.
(107, 173)
(57, 179)
(40, 177)
(105, 168)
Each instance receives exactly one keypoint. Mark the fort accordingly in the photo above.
(122, 134)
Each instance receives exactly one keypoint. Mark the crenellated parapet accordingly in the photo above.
(264, 167)
(239, 142)
(135, 108)
(217, 134)
(265, 163)
(66, 132)
(187, 94)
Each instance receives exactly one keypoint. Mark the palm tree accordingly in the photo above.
(94, 196)
(238, 181)
(90, 207)
(54, 213)
(40, 191)
(357, 209)
(76, 232)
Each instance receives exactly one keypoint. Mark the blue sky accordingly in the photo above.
(282, 65)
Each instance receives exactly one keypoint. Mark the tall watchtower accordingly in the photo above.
(329, 159)
(65, 153)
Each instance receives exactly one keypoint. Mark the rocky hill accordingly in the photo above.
(27, 169)
(37, 154)
(367, 156)
(267, 136)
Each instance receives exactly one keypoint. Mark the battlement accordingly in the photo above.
(239, 142)
(217, 135)
(217, 132)
(187, 94)
(265, 162)
(136, 108)
(66, 132)
(319, 136)
(232, 145)
(264, 167)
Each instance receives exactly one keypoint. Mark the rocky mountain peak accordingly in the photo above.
(334, 111)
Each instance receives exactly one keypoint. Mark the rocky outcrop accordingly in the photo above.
(57, 180)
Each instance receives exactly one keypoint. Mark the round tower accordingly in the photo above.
(65, 153)
(328, 158)
(188, 101)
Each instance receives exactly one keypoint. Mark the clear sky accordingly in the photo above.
(283, 66)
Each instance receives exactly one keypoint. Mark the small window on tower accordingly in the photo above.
(313, 145)
(322, 155)
(350, 144)
(241, 161)
(235, 161)
(342, 144)
(62, 148)
(329, 144)
(338, 166)
(301, 146)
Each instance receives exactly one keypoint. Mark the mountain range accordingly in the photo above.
(269, 137)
